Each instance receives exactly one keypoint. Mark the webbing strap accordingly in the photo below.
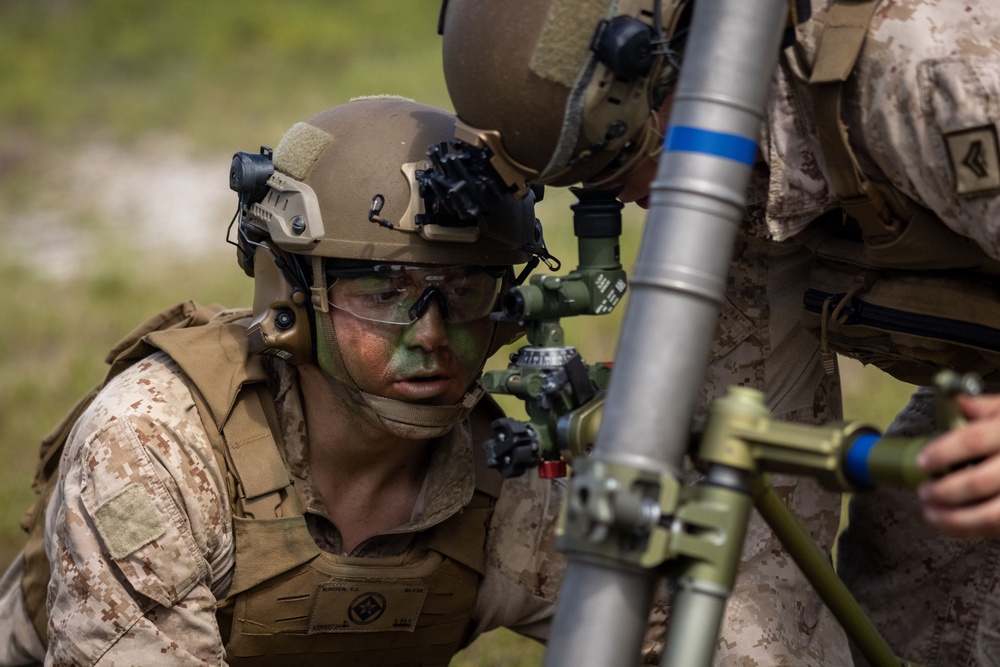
(840, 42)
(251, 448)
(837, 52)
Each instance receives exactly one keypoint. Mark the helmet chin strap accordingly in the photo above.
(400, 418)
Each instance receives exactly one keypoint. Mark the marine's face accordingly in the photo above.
(429, 361)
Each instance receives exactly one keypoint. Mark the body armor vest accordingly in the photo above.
(290, 602)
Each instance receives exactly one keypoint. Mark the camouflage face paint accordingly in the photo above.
(429, 361)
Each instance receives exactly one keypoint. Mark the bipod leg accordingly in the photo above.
(709, 530)
(695, 619)
(820, 573)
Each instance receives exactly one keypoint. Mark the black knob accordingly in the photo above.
(625, 45)
(513, 448)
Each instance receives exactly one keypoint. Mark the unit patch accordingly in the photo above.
(975, 160)
(367, 605)
(128, 521)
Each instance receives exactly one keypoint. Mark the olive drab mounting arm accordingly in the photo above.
(562, 393)
(644, 519)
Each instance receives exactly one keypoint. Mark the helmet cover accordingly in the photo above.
(562, 91)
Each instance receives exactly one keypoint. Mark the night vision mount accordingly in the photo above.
(462, 183)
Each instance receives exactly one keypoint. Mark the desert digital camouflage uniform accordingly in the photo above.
(922, 107)
(925, 84)
(144, 592)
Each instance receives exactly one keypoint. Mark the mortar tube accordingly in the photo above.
(677, 289)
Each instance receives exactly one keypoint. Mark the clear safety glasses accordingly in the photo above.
(398, 294)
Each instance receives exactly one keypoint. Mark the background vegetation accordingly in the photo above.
(118, 120)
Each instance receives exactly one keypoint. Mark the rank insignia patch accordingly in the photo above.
(975, 160)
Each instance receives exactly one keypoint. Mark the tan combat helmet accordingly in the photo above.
(560, 91)
(353, 187)
(348, 185)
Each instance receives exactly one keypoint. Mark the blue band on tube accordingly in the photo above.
(718, 144)
(857, 459)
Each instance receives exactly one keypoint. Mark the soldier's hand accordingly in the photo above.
(965, 501)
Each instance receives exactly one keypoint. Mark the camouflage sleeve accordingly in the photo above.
(138, 531)
(523, 567)
(19, 643)
(928, 91)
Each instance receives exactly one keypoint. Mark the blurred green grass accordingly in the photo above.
(213, 78)
(215, 71)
